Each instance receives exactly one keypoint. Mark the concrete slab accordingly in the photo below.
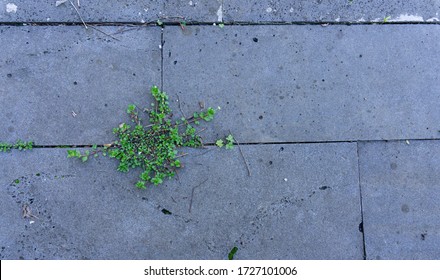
(221, 10)
(331, 11)
(108, 11)
(308, 83)
(400, 189)
(91, 11)
(301, 202)
(68, 85)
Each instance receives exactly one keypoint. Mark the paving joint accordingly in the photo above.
(235, 23)
(256, 143)
(361, 225)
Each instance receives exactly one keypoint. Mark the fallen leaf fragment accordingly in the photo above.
(57, 3)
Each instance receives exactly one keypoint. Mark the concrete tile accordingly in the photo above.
(108, 11)
(91, 11)
(221, 10)
(67, 85)
(400, 189)
(301, 202)
(308, 83)
(331, 11)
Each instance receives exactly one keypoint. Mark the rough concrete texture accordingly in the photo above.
(309, 193)
(221, 10)
(349, 82)
(400, 189)
(308, 83)
(331, 11)
(109, 11)
(69, 85)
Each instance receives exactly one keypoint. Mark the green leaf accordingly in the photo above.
(131, 108)
(208, 115)
(84, 158)
(123, 167)
(229, 146)
(156, 181)
(154, 90)
(232, 253)
(230, 138)
(73, 153)
(145, 176)
(141, 184)
(219, 143)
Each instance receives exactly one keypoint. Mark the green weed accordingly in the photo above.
(152, 147)
(228, 142)
(232, 253)
(19, 145)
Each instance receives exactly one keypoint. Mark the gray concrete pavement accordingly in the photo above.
(323, 113)
(309, 83)
(131, 11)
(75, 83)
(309, 193)
(400, 190)
(355, 11)
(330, 83)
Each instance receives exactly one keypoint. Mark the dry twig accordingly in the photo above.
(241, 152)
(27, 212)
(85, 25)
(99, 30)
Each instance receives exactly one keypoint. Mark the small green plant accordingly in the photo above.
(232, 253)
(228, 142)
(219, 143)
(19, 145)
(152, 147)
(386, 19)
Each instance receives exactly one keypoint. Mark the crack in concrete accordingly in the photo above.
(234, 23)
(361, 225)
(70, 146)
